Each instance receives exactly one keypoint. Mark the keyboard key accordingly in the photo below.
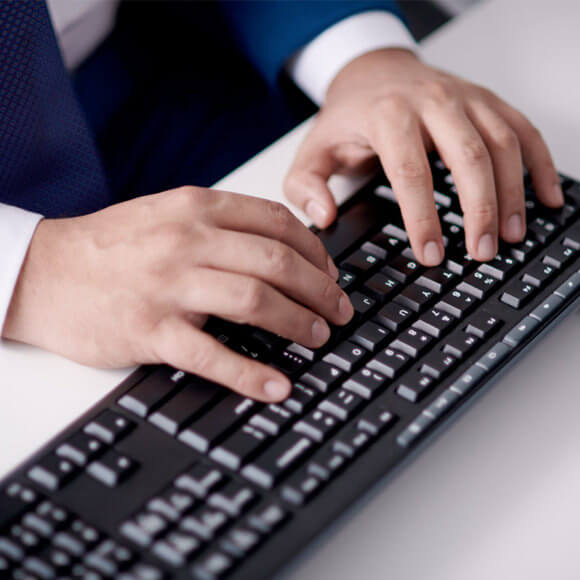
(342, 404)
(11, 549)
(375, 250)
(389, 243)
(572, 238)
(375, 419)
(52, 472)
(239, 447)
(226, 415)
(109, 427)
(381, 287)
(370, 336)
(213, 565)
(460, 262)
(112, 468)
(415, 387)
(12, 504)
(468, 380)
(176, 548)
(172, 504)
(303, 351)
(548, 307)
(268, 517)
(206, 523)
(301, 398)
(233, 499)
(317, 425)
(300, 487)
(559, 257)
(521, 331)
(437, 364)
(80, 448)
(282, 455)
(272, 419)
(434, 322)
(494, 356)
(351, 442)
(478, 284)
(543, 229)
(538, 274)
(483, 324)
(394, 317)
(569, 287)
(415, 297)
(240, 541)
(108, 558)
(361, 303)
(416, 428)
(412, 342)
(460, 344)
(321, 376)
(523, 251)
(437, 279)
(184, 406)
(500, 267)
(457, 303)
(441, 404)
(517, 293)
(346, 279)
(396, 232)
(360, 261)
(346, 356)
(289, 363)
(200, 480)
(389, 363)
(365, 383)
(326, 463)
(145, 528)
(402, 269)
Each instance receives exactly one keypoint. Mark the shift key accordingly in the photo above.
(285, 454)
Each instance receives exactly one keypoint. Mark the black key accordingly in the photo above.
(523, 251)
(176, 548)
(559, 257)
(538, 274)
(402, 269)
(572, 189)
(29, 540)
(233, 499)
(212, 566)
(376, 250)
(80, 448)
(517, 293)
(415, 297)
(269, 340)
(52, 472)
(381, 286)
(206, 522)
(321, 376)
(239, 447)
(142, 571)
(437, 364)
(303, 351)
(434, 322)
(376, 419)
(461, 263)
(572, 238)
(412, 342)
(112, 468)
(483, 324)
(109, 427)
(227, 414)
(301, 398)
(172, 504)
(361, 303)
(272, 419)
(109, 557)
(478, 284)
(200, 480)
(499, 268)
(415, 387)
(317, 425)
(289, 363)
(240, 541)
(371, 336)
(326, 463)
(396, 232)
(300, 487)
(145, 528)
(365, 383)
(543, 229)
(342, 404)
(394, 317)
(351, 442)
(287, 451)
(388, 243)
(11, 549)
(437, 279)
(563, 215)
(268, 517)
(346, 279)
(460, 344)
(346, 356)
(389, 362)
(47, 519)
(457, 303)
(361, 261)
(13, 505)
(249, 347)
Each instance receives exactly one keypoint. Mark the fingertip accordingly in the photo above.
(486, 248)
(276, 390)
(320, 214)
(432, 253)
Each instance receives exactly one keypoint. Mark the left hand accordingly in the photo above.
(388, 103)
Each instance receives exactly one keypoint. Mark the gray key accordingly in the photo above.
(547, 308)
(414, 429)
(441, 404)
(471, 377)
(569, 287)
(493, 356)
(521, 331)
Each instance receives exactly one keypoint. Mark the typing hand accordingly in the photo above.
(134, 283)
(388, 103)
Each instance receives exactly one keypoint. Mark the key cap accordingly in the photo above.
(517, 293)
(300, 487)
(376, 419)
(441, 404)
(342, 404)
(365, 383)
(396, 232)
(239, 447)
(12, 504)
(145, 528)
(394, 317)
(200, 480)
(457, 303)
(415, 387)
(572, 238)
(361, 262)
(206, 523)
(415, 297)
(301, 398)
(453, 218)
(494, 356)
(478, 284)
(268, 517)
(437, 364)
(521, 331)
(172, 504)
(176, 548)
(109, 557)
(437, 279)
(112, 468)
(500, 267)
(361, 303)
(460, 262)
(11, 549)
(351, 442)
(317, 425)
(543, 229)
(434, 322)
(370, 336)
(240, 541)
(468, 380)
(380, 287)
(346, 356)
(321, 376)
(289, 363)
(325, 463)
(460, 344)
(303, 351)
(389, 362)
(346, 279)
(226, 415)
(213, 565)
(372, 248)
(233, 499)
(272, 419)
(152, 391)
(109, 427)
(46, 519)
(52, 472)
(287, 451)
(184, 406)
(388, 243)
(569, 287)
(559, 257)
(523, 251)
(80, 448)
(402, 269)
(412, 342)
(550, 305)
(483, 324)
(538, 274)
(415, 429)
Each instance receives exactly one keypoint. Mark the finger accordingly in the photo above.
(464, 152)
(306, 184)
(536, 155)
(185, 347)
(398, 141)
(247, 300)
(504, 148)
(280, 266)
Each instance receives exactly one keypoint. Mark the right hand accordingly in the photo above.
(135, 283)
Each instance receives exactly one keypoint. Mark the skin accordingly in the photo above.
(135, 283)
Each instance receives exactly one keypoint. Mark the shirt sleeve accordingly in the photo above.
(315, 65)
(17, 226)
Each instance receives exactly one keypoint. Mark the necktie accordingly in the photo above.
(48, 159)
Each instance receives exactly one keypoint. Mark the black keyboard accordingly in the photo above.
(171, 476)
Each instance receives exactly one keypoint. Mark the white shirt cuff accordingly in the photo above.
(17, 226)
(314, 66)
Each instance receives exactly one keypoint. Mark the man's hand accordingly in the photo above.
(134, 283)
(388, 103)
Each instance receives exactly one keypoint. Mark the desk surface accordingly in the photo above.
(496, 495)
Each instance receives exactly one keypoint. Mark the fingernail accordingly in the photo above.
(276, 391)
(316, 212)
(345, 308)
(515, 226)
(432, 254)
(558, 193)
(485, 248)
(320, 332)
(332, 269)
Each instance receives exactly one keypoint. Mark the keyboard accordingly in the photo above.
(171, 476)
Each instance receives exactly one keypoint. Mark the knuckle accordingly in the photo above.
(279, 259)
(413, 169)
(330, 291)
(280, 216)
(172, 237)
(252, 297)
(474, 152)
(483, 213)
(392, 105)
(438, 91)
(506, 140)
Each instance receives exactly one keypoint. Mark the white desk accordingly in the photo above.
(497, 495)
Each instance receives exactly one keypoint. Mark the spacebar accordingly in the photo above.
(353, 225)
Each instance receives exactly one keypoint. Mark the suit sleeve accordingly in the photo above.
(270, 31)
